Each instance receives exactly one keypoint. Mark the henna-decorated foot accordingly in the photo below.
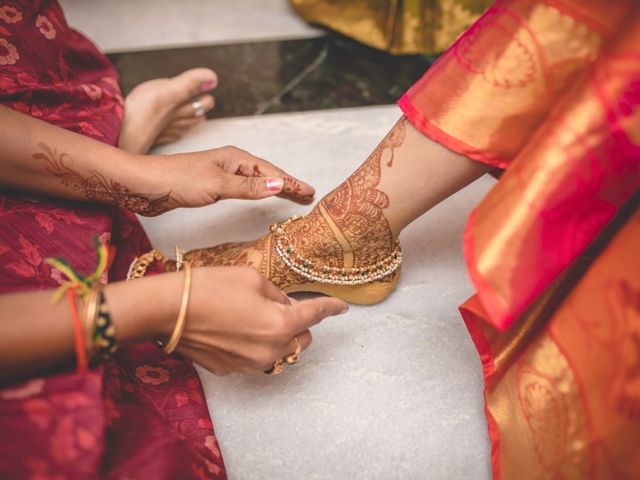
(160, 111)
(346, 232)
(316, 243)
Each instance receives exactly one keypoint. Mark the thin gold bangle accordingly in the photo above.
(171, 345)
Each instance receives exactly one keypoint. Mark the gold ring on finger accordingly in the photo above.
(277, 368)
(295, 356)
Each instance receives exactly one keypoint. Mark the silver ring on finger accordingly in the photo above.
(198, 108)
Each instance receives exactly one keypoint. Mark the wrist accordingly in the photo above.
(144, 309)
(148, 186)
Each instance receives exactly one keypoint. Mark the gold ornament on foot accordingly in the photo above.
(332, 275)
(139, 266)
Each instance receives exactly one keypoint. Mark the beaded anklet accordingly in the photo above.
(332, 275)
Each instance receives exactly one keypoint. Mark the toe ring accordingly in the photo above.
(198, 108)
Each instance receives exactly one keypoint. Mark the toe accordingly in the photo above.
(194, 82)
(184, 123)
(178, 128)
(188, 111)
(165, 140)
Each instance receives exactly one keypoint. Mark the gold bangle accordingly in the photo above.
(171, 345)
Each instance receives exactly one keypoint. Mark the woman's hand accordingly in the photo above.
(203, 178)
(239, 322)
(37, 157)
(236, 321)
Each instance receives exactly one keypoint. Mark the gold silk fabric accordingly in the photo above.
(563, 389)
(396, 26)
(549, 91)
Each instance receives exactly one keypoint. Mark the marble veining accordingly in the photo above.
(283, 76)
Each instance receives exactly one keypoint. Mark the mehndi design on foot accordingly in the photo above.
(327, 274)
(345, 234)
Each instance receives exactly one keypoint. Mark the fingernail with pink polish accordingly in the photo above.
(274, 184)
(206, 86)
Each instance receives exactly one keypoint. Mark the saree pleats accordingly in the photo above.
(550, 92)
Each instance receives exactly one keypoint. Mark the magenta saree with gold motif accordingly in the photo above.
(549, 91)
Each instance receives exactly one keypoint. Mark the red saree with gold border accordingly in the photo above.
(142, 414)
(549, 91)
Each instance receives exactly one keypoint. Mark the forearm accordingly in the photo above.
(37, 336)
(41, 158)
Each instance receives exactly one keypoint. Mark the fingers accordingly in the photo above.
(293, 189)
(305, 339)
(243, 164)
(166, 139)
(290, 348)
(271, 292)
(183, 124)
(307, 313)
(249, 188)
(178, 128)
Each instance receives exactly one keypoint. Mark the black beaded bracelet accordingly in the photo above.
(104, 334)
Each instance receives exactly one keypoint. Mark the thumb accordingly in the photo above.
(250, 188)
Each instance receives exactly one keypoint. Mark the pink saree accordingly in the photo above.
(142, 415)
(549, 90)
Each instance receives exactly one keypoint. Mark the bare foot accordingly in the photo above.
(318, 249)
(160, 111)
(345, 247)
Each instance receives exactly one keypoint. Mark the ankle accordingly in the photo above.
(363, 227)
(330, 237)
(339, 267)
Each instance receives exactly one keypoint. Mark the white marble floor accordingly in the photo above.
(388, 391)
(125, 25)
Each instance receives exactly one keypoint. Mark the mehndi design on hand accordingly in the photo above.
(96, 187)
